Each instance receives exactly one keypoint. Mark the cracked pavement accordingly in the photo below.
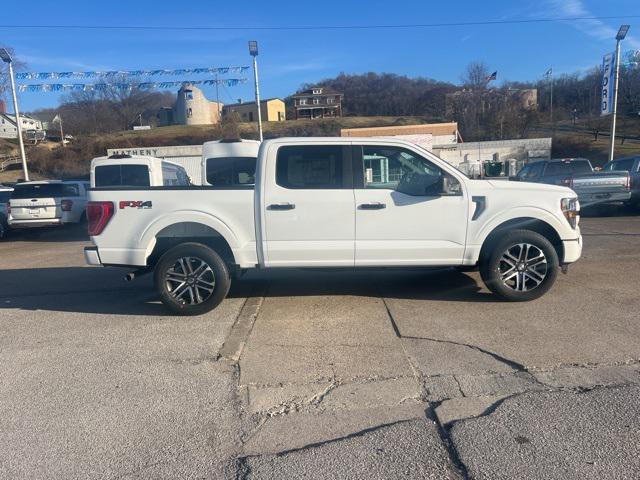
(322, 374)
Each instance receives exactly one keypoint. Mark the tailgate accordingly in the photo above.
(35, 208)
(601, 183)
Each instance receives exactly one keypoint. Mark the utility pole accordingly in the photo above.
(253, 51)
(6, 57)
(619, 37)
(61, 132)
(218, 97)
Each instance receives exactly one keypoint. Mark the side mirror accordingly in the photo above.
(421, 185)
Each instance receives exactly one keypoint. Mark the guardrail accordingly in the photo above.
(6, 161)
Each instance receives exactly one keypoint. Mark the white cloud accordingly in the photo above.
(593, 28)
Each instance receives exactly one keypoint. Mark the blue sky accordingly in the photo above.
(290, 58)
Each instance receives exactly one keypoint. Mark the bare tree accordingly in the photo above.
(5, 83)
(475, 75)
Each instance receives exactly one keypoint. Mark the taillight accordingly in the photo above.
(628, 182)
(98, 216)
(66, 205)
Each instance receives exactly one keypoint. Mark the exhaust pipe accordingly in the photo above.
(131, 276)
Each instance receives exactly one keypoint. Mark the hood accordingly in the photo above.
(527, 186)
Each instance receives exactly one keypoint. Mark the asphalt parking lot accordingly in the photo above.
(321, 374)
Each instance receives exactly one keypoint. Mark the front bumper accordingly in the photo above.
(91, 256)
(572, 250)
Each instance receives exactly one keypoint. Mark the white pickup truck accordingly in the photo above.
(336, 202)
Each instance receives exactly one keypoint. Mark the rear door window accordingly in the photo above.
(313, 167)
(44, 190)
(122, 176)
(231, 171)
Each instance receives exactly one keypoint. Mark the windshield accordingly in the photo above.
(44, 190)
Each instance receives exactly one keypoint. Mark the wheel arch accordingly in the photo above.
(180, 232)
(524, 223)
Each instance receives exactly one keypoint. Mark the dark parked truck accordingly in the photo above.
(593, 188)
(632, 166)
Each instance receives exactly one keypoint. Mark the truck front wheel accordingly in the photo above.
(521, 266)
(191, 279)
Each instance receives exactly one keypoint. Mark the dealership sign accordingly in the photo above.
(606, 101)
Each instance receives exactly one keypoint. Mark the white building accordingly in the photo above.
(188, 156)
(9, 129)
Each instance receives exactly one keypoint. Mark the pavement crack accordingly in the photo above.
(417, 373)
(511, 363)
(359, 433)
(447, 441)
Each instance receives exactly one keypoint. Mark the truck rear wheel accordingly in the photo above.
(521, 266)
(191, 279)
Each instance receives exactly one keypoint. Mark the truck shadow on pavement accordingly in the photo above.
(104, 291)
(66, 233)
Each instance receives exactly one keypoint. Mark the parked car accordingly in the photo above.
(336, 202)
(5, 195)
(229, 162)
(632, 166)
(593, 188)
(47, 203)
(137, 171)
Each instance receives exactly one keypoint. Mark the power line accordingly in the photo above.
(322, 27)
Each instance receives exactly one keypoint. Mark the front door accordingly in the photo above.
(309, 211)
(409, 211)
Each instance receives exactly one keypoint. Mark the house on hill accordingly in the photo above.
(317, 102)
(271, 110)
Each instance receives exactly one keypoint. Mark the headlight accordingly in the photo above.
(571, 210)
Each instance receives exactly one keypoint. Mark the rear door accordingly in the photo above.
(309, 211)
(39, 201)
(409, 211)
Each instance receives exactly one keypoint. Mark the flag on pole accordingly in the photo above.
(56, 119)
(549, 72)
(492, 77)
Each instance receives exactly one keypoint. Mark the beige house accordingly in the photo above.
(271, 110)
(191, 108)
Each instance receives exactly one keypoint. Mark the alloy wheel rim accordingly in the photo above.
(523, 267)
(190, 281)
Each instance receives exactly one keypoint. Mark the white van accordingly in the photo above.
(136, 171)
(229, 163)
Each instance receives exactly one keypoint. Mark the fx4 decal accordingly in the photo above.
(135, 204)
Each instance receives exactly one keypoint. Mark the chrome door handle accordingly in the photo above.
(373, 206)
(281, 206)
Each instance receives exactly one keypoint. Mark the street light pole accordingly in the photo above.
(619, 37)
(6, 57)
(253, 51)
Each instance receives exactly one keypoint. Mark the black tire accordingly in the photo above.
(533, 277)
(4, 229)
(180, 300)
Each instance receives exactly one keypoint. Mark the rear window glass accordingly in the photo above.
(122, 176)
(310, 167)
(566, 168)
(45, 190)
(231, 171)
